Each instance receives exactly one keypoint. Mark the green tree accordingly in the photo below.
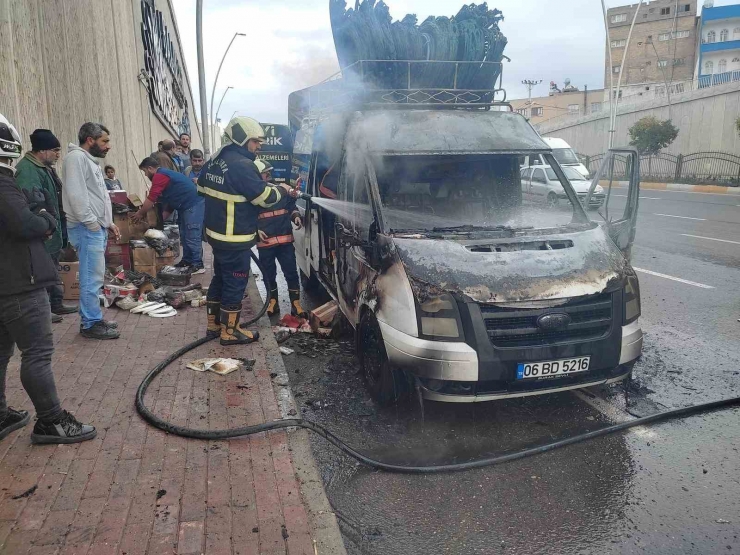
(650, 135)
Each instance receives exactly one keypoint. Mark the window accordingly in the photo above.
(596, 107)
(574, 108)
(662, 63)
(687, 7)
(736, 33)
(615, 69)
(619, 18)
(679, 61)
(683, 34)
(522, 111)
(526, 174)
(711, 37)
(619, 43)
(722, 66)
(665, 11)
(664, 36)
(539, 176)
(537, 112)
(676, 35)
(709, 68)
(724, 35)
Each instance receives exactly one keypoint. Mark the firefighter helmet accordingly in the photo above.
(10, 141)
(241, 129)
(263, 166)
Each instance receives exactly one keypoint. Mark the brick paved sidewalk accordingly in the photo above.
(135, 489)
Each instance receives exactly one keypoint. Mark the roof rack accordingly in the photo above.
(384, 84)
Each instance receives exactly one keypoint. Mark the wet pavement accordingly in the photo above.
(669, 488)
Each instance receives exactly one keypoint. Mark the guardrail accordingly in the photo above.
(710, 168)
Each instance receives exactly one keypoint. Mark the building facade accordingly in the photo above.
(561, 105)
(662, 48)
(117, 62)
(719, 53)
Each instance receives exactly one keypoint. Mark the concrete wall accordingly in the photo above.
(705, 118)
(65, 62)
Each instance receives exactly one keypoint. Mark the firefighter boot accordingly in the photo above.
(231, 332)
(273, 307)
(213, 310)
(295, 304)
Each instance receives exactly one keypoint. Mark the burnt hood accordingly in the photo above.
(540, 268)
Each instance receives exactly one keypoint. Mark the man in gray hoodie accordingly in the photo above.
(89, 218)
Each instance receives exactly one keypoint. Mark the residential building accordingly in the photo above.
(568, 103)
(719, 52)
(662, 48)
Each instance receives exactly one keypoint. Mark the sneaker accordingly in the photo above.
(100, 330)
(110, 324)
(182, 264)
(56, 318)
(13, 420)
(65, 429)
(64, 309)
(195, 270)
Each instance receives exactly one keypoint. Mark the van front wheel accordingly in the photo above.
(387, 384)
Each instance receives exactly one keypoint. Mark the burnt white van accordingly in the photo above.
(454, 282)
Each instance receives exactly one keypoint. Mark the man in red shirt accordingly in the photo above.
(176, 192)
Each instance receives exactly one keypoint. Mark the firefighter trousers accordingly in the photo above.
(285, 255)
(230, 277)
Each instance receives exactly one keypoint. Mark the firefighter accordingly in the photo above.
(276, 243)
(235, 193)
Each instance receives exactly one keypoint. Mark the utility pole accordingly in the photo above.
(215, 82)
(202, 79)
(530, 84)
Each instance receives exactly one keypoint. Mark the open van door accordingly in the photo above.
(620, 168)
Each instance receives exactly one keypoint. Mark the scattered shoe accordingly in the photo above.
(182, 264)
(56, 319)
(13, 420)
(65, 429)
(195, 270)
(64, 309)
(100, 330)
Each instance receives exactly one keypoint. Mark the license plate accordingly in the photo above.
(539, 370)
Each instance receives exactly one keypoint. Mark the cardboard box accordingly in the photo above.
(69, 272)
(148, 258)
(130, 230)
(118, 255)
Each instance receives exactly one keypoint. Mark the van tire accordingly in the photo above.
(387, 385)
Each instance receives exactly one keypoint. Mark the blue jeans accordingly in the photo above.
(90, 247)
(230, 277)
(191, 233)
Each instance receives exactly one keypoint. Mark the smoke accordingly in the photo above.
(312, 66)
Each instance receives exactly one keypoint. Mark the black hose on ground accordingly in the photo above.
(192, 433)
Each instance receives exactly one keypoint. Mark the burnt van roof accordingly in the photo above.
(433, 132)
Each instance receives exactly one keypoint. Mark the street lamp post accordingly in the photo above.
(215, 82)
(202, 77)
(215, 118)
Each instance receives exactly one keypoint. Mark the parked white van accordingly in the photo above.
(562, 152)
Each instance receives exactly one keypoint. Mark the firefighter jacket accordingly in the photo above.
(275, 222)
(235, 193)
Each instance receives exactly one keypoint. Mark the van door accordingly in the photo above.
(299, 178)
(620, 169)
(354, 270)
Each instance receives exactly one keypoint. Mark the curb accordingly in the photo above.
(322, 520)
(706, 189)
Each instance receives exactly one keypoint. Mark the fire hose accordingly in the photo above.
(320, 430)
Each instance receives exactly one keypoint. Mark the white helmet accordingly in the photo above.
(10, 141)
(241, 129)
(263, 166)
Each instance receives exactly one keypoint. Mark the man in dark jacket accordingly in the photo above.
(235, 194)
(276, 244)
(36, 171)
(26, 220)
(176, 192)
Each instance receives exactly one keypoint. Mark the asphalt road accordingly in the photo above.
(672, 488)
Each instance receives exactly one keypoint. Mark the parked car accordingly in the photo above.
(541, 183)
(563, 153)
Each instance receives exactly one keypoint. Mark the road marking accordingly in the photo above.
(682, 217)
(711, 239)
(686, 281)
(641, 198)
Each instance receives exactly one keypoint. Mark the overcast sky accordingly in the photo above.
(289, 45)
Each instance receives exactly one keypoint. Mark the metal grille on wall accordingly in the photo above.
(712, 168)
(164, 72)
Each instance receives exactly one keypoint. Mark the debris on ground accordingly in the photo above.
(286, 351)
(323, 316)
(295, 324)
(30, 491)
(220, 366)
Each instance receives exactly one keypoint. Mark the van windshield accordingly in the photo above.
(440, 193)
(565, 156)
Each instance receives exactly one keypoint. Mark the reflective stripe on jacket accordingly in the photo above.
(235, 193)
(275, 222)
